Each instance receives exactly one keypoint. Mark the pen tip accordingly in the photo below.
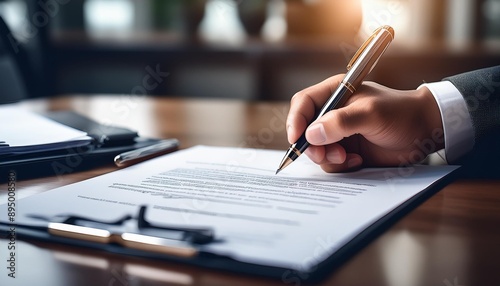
(277, 171)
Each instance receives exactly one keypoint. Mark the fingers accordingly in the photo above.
(304, 104)
(333, 158)
(338, 124)
(329, 154)
(353, 162)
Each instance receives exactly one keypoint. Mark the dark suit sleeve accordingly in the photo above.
(481, 91)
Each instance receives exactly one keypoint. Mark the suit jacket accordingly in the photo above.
(481, 91)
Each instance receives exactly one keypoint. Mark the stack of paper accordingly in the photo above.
(22, 131)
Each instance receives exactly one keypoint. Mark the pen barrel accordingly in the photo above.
(367, 60)
(145, 153)
(301, 144)
(336, 100)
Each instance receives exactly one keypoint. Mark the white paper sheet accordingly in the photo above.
(294, 219)
(26, 131)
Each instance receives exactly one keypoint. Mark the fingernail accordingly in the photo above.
(354, 162)
(316, 133)
(333, 157)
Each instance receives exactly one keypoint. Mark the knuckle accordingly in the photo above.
(374, 110)
(301, 97)
(342, 120)
(296, 96)
(370, 107)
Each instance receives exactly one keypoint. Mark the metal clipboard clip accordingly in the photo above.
(165, 239)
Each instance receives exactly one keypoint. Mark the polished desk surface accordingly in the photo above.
(453, 238)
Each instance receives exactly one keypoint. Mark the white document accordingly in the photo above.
(294, 220)
(25, 131)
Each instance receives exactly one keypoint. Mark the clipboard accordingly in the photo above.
(183, 247)
(186, 249)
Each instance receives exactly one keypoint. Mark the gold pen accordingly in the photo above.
(358, 68)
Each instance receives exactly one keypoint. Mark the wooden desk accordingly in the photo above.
(453, 238)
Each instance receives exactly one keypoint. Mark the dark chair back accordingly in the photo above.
(12, 81)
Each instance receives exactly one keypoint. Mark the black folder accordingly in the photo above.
(108, 141)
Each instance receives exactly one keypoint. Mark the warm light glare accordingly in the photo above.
(377, 13)
(158, 274)
(411, 20)
(83, 260)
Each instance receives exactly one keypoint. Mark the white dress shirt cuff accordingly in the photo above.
(457, 124)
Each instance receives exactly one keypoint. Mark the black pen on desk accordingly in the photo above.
(145, 153)
(358, 68)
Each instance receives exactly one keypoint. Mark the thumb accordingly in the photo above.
(338, 124)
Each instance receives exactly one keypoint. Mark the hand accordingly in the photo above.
(378, 126)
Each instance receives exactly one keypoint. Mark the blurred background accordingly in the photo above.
(246, 49)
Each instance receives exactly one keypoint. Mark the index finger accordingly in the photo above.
(305, 103)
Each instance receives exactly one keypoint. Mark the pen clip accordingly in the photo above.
(366, 43)
(362, 48)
